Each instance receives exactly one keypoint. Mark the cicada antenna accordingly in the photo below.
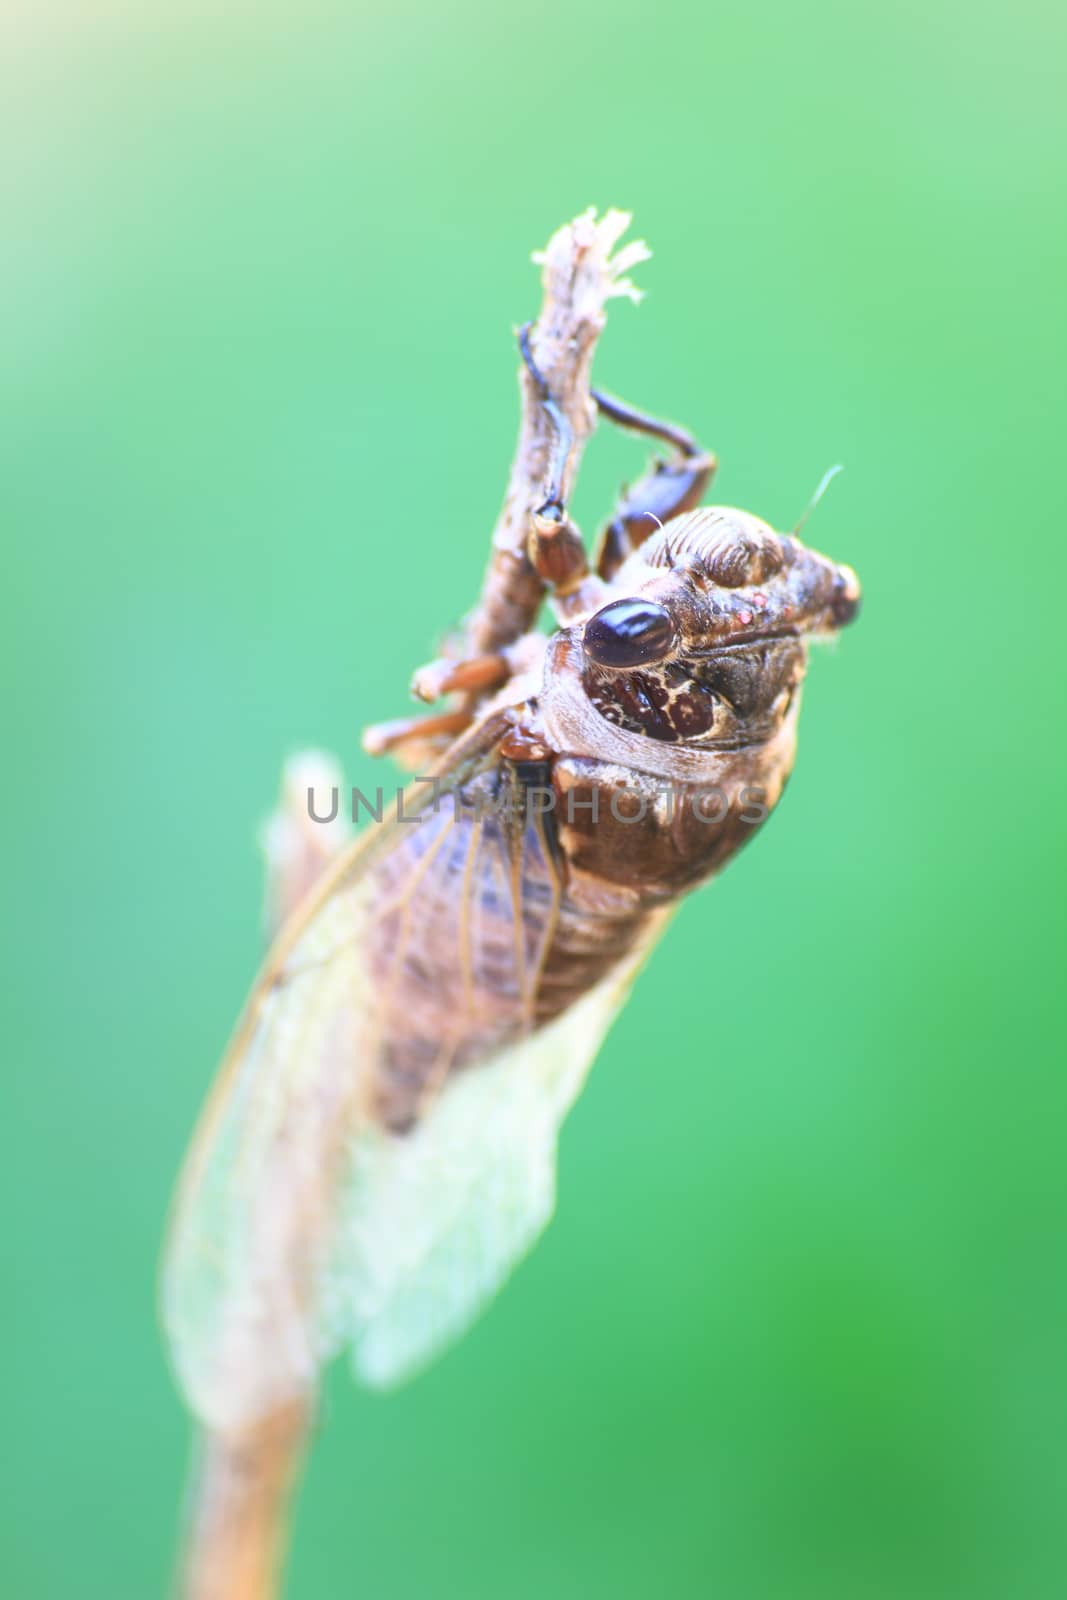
(824, 483)
(667, 551)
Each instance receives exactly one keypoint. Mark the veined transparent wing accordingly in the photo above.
(380, 1146)
(434, 1223)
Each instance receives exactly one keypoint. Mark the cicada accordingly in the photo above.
(380, 1148)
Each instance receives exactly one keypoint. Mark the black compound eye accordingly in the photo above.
(629, 633)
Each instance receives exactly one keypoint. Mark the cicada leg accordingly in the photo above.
(381, 738)
(558, 559)
(474, 675)
(413, 738)
(556, 549)
(670, 486)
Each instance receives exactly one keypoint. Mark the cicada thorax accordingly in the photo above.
(656, 835)
(657, 814)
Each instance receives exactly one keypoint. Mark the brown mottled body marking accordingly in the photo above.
(664, 703)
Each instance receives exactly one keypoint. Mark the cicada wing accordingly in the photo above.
(251, 1229)
(435, 1222)
(380, 1145)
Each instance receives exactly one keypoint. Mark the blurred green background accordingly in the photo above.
(798, 1330)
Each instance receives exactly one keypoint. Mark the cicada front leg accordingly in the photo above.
(671, 485)
(472, 675)
(382, 738)
(415, 740)
(559, 567)
(555, 545)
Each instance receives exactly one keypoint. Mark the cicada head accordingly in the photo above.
(707, 640)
